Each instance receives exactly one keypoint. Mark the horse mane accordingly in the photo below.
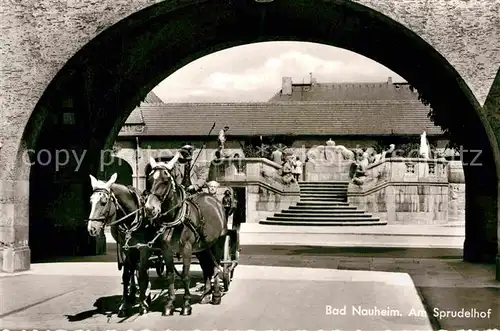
(119, 189)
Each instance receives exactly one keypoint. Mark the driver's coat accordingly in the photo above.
(198, 175)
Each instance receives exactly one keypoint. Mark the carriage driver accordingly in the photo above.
(194, 176)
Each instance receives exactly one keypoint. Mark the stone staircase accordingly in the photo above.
(323, 203)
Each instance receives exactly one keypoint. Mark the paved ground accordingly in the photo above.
(442, 236)
(293, 294)
(259, 298)
(270, 296)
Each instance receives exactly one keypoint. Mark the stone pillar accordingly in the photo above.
(481, 201)
(491, 110)
(14, 225)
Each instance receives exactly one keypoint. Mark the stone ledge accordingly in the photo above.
(263, 184)
(355, 190)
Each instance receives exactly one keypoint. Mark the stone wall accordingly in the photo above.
(265, 193)
(405, 191)
(456, 202)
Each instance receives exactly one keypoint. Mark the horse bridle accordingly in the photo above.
(172, 188)
(111, 199)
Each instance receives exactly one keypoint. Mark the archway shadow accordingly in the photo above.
(108, 305)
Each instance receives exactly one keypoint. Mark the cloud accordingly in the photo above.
(235, 75)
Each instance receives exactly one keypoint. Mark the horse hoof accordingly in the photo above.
(216, 300)
(169, 311)
(186, 311)
(122, 313)
(205, 299)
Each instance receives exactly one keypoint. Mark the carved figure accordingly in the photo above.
(287, 170)
(359, 177)
(385, 154)
(221, 139)
(346, 154)
(424, 146)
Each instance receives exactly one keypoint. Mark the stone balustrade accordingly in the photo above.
(405, 191)
(261, 178)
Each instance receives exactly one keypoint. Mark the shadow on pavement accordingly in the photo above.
(108, 306)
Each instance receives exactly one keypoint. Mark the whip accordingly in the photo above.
(204, 145)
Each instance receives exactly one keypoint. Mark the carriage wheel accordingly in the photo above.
(226, 272)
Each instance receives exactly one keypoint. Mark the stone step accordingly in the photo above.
(336, 186)
(307, 211)
(322, 203)
(334, 223)
(322, 207)
(360, 216)
(323, 191)
(322, 195)
(323, 183)
(332, 182)
(332, 199)
(317, 218)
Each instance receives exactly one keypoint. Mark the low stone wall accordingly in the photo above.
(324, 163)
(405, 191)
(327, 172)
(265, 192)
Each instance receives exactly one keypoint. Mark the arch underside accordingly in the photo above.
(108, 78)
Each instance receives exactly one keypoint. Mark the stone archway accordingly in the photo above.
(91, 96)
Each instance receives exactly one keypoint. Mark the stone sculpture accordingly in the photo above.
(361, 164)
(346, 153)
(424, 146)
(385, 154)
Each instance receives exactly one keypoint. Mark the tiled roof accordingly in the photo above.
(136, 118)
(347, 92)
(298, 118)
(151, 97)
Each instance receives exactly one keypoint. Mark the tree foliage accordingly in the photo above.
(255, 147)
(449, 120)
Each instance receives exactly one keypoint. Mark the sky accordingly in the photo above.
(253, 72)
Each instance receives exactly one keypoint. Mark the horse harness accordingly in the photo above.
(112, 199)
(182, 217)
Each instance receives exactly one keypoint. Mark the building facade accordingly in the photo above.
(302, 116)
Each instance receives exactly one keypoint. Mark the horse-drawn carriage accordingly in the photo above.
(169, 220)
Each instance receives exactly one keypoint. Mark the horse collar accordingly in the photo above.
(181, 215)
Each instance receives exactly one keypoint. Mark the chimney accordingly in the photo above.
(312, 79)
(389, 80)
(286, 86)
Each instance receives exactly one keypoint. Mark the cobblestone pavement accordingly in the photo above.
(65, 296)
